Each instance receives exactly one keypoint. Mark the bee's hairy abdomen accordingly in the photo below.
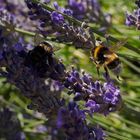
(113, 64)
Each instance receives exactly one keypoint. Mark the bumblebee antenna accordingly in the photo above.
(38, 38)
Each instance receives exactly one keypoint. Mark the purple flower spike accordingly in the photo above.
(78, 96)
(133, 19)
(111, 94)
(71, 121)
(56, 6)
(99, 134)
(54, 23)
(94, 107)
(57, 18)
(98, 97)
(130, 20)
(68, 12)
(77, 8)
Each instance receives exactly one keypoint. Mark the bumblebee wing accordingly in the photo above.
(56, 48)
(38, 39)
(99, 43)
(118, 45)
(108, 55)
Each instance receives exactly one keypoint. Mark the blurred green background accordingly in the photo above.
(121, 125)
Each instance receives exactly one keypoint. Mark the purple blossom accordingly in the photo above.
(133, 19)
(111, 94)
(10, 128)
(94, 107)
(71, 121)
(78, 8)
(54, 23)
(68, 12)
(15, 12)
(44, 16)
(62, 10)
(89, 11)
(98, 97)
(18, 47)
(56, 6)
(57, 18)
(41, 129)
(27, 79)
(99, 134)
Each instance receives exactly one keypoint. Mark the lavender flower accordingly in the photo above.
(133, 19)
(102, 98)
(89, 11)
(17, 11)
(10, 128)
(37, 12)
(71, 121)
(98, 132)
(78, 9)
(57, 18)
(27, 79)
(41, 128)
(62, 10)
(55, 23)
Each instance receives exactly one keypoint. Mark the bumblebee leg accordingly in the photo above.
(97, 68)
(97, 65)
(106, 70)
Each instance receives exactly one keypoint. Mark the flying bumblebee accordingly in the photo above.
(106, 57)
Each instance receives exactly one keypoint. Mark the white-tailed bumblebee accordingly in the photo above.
(104, 56)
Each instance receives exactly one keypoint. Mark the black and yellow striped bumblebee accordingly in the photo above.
(105, 56)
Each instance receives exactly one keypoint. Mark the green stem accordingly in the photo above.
(127, 121)
(117, 137)
(130, 64)
(95, 30)
(22, 31)
(132, 102)
(128, 130)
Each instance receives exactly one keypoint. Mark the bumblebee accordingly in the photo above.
(38, 56)
(106, 57)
